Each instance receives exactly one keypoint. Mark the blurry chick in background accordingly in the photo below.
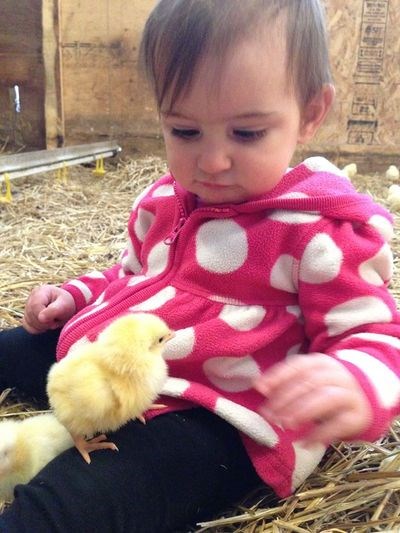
(26, 446)
(102, 385)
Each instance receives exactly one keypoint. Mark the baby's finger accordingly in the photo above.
(49, 314)
(340, 427)
(277, 376)
(303, 383)
(31, 328)
(308, 368)
(287, 394)
(315, 406)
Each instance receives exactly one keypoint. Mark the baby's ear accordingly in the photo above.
(315, 112)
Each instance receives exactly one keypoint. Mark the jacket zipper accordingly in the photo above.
(181, 222)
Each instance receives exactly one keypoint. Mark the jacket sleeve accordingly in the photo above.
(88, 288)
(343, 274)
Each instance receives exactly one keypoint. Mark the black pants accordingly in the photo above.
(174, 471)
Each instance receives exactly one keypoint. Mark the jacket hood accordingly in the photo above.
(314, 186)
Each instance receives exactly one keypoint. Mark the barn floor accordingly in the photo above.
(55, 229)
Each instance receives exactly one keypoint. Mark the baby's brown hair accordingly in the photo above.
(179, 33)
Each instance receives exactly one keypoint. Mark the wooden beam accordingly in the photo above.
(27, 163)
(54, 113)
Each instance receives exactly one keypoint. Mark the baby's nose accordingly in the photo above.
(214, 161)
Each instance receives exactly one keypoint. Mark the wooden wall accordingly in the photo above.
(21, 64)
(365, 55)
(93, 90)
(103, 95)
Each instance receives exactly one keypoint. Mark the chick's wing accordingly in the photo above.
(80, 393)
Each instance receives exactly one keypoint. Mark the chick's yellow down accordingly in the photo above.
(26, 446)
(102, 385)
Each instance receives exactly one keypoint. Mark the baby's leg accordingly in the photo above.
(177, 469)
(25, 360)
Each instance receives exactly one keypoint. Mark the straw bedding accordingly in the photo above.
(55, 229)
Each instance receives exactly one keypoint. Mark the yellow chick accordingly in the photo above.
(393, 197)
(100, 386)
(350, 170)
(393, 173)
(26, 446)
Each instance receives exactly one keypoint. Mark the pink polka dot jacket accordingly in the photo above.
(303, 269)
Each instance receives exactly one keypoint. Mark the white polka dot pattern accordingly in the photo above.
(157, 259)
(221, 246)
(321, 261)
(156, 301)
(83, 288)
(378, 269)
(293, 217)
(282, 273)
(294, 310)
(242, 318)
(181, 345)
(292, 194)
(95, 275)
(386, 383)
(130, 261)
(100, 299)
(140, 197)
(320, 164)
(231, 374)
(248, 421)
(356, 312)
(382, 225)
(163, 190)
(175, 387)
(135, 280)
(306, 460)
(142, 223)
(289, 216)
(378, 337)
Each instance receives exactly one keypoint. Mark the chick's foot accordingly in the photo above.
(154, 406)
(85, 447)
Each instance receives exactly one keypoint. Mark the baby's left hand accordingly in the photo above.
(315, 389)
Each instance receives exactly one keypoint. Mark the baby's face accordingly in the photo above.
(232, 136)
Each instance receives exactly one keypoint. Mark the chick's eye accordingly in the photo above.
(249, 135)
(187, 134)
(161, 340)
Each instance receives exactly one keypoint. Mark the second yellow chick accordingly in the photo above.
(26, 446)
(102, 385)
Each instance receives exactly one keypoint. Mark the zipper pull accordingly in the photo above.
(175, 232)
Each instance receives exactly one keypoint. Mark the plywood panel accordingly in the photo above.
(104, 97)
(365, 54)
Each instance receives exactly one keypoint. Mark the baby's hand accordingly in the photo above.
(315, 389)
(47, 307)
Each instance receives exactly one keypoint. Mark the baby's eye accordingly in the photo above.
(185, 133)
(249, 135)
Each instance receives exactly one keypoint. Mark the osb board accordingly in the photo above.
(21, 64)
(103, 95)
(365, 48)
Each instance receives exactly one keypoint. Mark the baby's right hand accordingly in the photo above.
(47, 307)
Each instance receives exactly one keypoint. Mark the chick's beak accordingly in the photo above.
(170, 336)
